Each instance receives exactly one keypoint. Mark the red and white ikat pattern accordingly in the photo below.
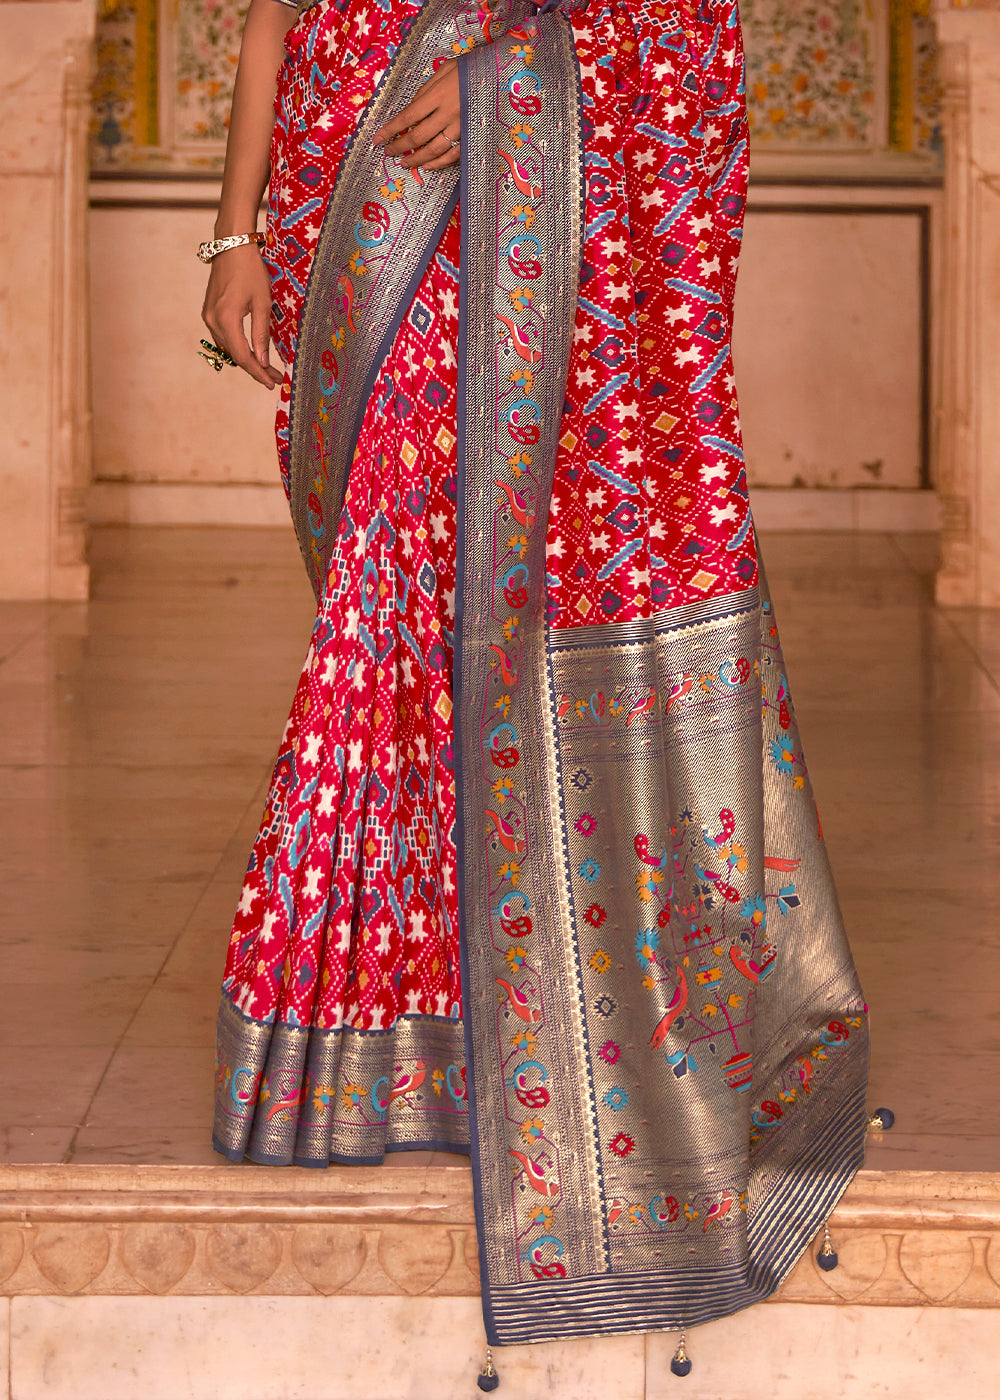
(349, 911)
(650, 505)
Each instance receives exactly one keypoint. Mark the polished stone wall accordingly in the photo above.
(45, 65)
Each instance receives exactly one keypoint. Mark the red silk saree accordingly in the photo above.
(540, 875)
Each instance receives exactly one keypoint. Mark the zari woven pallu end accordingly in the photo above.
(665, 1039)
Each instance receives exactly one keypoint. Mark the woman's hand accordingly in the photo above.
(423, 132)
(239, 286)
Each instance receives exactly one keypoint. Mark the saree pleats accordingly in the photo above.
(541, 872)
(339, 1032)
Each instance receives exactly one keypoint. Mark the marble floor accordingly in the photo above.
(136, 736)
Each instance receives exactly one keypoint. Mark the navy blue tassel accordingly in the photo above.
(882, 1119)
(681, 1363)
(488, 1378)
(827, 1258)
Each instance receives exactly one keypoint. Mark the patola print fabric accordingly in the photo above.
(540, 874)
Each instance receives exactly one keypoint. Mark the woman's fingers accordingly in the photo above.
(228, 333)
(437, 152)
(417, 136)
(451, 156)
(260, 340)
(239, 287)
(422, 106)
(438, 100)
(233, 339)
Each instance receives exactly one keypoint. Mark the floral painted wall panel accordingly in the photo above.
(206, 51)
(814, 78)
(124, 100)
(811, 74)
(926, 87)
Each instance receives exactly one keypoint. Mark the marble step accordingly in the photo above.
(184, 1283)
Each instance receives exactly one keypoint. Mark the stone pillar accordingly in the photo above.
(45, 67)
(969, 400)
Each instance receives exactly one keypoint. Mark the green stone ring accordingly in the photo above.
(215, 355)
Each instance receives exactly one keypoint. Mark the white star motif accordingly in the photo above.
(248, 899)
(312, 884)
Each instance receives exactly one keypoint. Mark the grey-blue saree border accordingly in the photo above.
(537, 61)
(393, 218)
(292, 1095)
(556, 1266)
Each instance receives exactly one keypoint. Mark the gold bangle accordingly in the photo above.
(215, 246)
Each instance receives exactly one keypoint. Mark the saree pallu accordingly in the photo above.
(541, 874)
